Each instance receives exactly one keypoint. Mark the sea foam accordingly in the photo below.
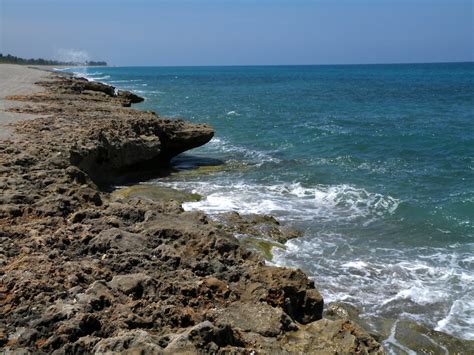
(289, 201)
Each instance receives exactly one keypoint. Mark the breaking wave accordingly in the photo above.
(321, 203)
(384, 280)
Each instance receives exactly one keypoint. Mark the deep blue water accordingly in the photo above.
(374, 162)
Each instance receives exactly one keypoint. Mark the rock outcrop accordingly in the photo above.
(108, 153)
(84, 271)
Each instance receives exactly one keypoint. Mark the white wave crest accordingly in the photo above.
(94, 78)
(389, 282)
(289, 201)
(461, 312)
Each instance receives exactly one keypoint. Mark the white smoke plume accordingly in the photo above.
(72, 56)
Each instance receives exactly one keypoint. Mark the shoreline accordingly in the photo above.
(384, 325)
(305, 336)
(83, 270)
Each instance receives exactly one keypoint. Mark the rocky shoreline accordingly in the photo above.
(84, 270)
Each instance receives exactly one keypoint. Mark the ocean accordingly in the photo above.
(375, 163)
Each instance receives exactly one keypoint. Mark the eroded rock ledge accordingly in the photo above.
(83, 272)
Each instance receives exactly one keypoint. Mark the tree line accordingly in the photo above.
(11, 59)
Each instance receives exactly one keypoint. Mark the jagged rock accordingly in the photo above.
(84, 215)
(258, 318)
(204, 336)
(111, 153)
(129, 212)
(178, 136)
(96, 297)
(118, 239)
(26, 336)
(130, 342)
(257, 226)
(83, 345)
(10, 211)
(54, 205)
(77, 175)
(81, 325)
(129, 98)
(128, 145)
(332, 337)
(132, 284)
(56, 313)
(289, 289)
(341, 310)
(80, 85)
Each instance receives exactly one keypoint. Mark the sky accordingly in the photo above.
(239, 32)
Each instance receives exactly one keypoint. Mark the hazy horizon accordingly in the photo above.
(239, 33)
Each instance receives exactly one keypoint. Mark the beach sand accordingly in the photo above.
(16, 80)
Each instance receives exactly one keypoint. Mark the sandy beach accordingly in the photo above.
(16, 80)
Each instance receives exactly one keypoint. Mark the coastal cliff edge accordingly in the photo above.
(84, 270)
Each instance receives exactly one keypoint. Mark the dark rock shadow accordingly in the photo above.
(152, 169)
(190, 162)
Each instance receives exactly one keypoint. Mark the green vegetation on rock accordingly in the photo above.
(154, 193)
(261, 246)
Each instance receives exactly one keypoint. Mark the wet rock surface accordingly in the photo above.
(154, 193)
(85, 272)
(328, 336)
(402, 336)
(262, 226)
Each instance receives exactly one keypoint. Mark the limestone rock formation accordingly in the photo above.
(85, 272)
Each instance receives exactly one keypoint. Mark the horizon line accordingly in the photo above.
(288, 65)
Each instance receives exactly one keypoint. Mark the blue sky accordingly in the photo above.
(240, 32)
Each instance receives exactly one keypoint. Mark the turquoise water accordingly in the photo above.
(374, 162)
